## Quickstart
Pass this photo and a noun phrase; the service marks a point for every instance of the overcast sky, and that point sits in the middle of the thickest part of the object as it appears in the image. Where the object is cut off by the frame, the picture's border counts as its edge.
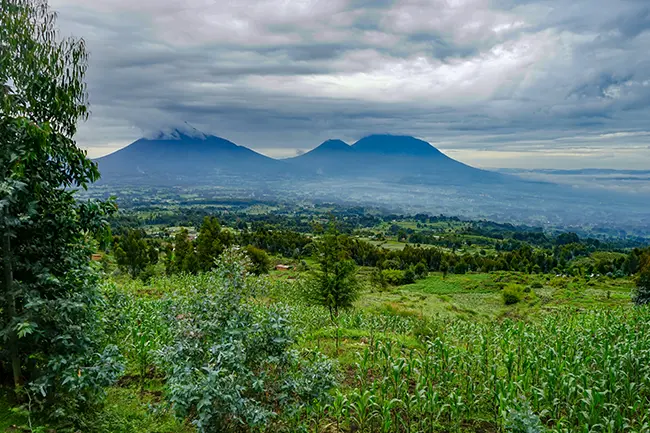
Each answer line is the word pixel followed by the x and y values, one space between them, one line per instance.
pixel 495 83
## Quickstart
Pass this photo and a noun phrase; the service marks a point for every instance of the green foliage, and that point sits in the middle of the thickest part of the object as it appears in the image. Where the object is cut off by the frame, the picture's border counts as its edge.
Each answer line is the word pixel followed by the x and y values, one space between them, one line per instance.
pixel 336 286
pixel 409 276
pixel 642 292
pixel 183 259
pixel 523 421
pixel 230 364
pixel 49 330
pixel 511 295
pixel 211 242
pixel 261 263
pixel 394 277
pixel 134 253
pixel 421 270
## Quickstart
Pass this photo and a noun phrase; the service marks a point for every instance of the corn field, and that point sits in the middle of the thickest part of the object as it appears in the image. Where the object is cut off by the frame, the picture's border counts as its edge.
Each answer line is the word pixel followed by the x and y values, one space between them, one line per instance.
pixel 579 372
pixel 571 371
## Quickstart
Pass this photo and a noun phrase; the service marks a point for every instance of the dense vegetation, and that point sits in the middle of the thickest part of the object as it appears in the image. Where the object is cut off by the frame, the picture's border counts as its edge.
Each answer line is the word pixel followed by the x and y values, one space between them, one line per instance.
pixel 176 320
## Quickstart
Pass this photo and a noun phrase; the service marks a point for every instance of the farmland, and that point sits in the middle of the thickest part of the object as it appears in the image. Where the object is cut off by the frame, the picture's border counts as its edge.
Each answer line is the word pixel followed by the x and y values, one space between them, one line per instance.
pixel 444 352
pixel 188 284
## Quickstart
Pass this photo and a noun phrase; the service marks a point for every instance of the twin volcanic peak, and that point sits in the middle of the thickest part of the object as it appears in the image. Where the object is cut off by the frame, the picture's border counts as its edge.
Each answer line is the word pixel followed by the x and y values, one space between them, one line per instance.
pixel 193 157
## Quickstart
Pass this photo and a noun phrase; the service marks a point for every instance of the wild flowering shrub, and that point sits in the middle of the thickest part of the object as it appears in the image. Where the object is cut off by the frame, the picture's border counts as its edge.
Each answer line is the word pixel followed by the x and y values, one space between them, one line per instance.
pixel 230 362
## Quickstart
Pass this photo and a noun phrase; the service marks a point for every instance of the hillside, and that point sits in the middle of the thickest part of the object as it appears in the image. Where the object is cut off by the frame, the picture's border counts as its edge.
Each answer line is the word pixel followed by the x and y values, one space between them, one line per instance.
pixel 178 157
pixel 394 158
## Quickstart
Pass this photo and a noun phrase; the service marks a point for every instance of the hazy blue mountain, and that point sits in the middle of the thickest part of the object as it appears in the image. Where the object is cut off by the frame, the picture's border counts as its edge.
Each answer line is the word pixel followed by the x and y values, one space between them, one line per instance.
pixel 397 171
pixel 192 157
pixel 396 145
pixel 397 158
pixel 181 157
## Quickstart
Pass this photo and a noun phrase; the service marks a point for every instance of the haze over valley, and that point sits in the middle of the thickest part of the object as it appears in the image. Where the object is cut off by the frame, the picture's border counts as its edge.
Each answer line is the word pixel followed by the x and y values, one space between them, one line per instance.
pixel 397 172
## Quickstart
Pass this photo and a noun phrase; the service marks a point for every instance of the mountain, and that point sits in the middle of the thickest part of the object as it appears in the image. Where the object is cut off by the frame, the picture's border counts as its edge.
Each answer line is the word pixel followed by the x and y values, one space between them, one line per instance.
pixel 395 158
pixel 181 157
pixel 191 157
pixel 396 145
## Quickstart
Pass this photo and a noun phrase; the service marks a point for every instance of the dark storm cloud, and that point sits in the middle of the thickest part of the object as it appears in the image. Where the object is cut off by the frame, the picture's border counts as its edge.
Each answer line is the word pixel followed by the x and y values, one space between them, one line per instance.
pixel 497 78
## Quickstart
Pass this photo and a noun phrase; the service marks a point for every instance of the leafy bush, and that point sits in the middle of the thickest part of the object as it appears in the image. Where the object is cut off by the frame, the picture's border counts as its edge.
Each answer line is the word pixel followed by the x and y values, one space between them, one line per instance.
pixel 536 285
pixel 421 270
pixel 523 421
pixel 230 364
pixel 394 277
pixel 511 295
pixel 260 261
pixel 409 276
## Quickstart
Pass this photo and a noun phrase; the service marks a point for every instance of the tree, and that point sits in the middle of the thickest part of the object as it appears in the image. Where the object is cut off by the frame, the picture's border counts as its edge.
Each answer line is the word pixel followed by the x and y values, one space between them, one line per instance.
pixel 260 262
pixel 49 290
pixel 184 258
pixel 336 286
pixel 211 242
pixel 642 292
pixel 133 253
pixel 444 268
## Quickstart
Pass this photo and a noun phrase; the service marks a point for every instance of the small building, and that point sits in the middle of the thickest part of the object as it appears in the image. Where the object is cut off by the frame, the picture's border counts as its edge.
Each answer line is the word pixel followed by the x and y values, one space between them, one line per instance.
pixel 96 257
pixel 282 267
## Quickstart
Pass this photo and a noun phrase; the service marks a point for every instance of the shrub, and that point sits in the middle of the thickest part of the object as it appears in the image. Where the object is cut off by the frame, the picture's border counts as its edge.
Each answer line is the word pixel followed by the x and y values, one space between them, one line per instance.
pixel 511 295
pixel 230 364
pixel 536 285
pixel 409 276
pixel 394 277
pixel 421 270
pixel 523 421
pixel 260 261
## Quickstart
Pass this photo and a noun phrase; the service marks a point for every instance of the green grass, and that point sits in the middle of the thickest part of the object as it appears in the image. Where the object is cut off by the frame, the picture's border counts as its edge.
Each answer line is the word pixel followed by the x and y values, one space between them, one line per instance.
pixel 7 417
pixel 479 296
pixel 436 284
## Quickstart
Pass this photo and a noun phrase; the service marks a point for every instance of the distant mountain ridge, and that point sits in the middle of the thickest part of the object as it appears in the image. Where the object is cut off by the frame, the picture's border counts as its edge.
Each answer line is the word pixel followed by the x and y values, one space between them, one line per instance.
pixel 186 157
pixel 401 172
pixel 398 158
pixel 177 156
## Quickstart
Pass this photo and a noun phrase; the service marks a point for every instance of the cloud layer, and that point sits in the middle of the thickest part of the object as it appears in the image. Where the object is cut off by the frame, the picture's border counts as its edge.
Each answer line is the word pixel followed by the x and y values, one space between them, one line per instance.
pixel 517 83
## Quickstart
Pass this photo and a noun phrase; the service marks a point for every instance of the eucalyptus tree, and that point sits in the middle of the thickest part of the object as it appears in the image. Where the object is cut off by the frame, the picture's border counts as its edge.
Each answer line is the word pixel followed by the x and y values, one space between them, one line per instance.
pixel 49 290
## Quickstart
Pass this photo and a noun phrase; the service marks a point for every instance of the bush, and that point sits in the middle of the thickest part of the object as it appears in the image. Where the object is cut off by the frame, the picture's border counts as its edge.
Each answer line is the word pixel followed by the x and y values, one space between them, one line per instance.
pixel 409 276
pixel 511 295
pixel 230 363
pixel 523 421
pixel 260 261
pixel 394 277
pixel 536 285
pixel 421 270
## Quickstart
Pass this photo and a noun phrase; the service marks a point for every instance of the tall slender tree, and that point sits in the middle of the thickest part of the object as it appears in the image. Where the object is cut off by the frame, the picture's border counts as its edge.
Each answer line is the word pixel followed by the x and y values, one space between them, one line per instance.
pixel 336 286
pixel 48 290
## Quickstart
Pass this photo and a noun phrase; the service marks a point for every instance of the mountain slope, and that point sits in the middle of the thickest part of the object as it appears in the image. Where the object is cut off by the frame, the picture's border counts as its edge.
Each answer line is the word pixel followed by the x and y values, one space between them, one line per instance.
pixel 394 158
pixel 179 157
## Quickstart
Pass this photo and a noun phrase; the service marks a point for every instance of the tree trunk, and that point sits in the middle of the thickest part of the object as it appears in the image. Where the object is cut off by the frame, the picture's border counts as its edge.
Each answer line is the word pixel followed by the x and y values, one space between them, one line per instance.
pixel 11 307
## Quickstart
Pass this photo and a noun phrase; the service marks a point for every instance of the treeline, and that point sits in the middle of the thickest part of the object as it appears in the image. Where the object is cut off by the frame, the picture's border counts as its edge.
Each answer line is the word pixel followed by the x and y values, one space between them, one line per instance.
pixel 137 253
pixel 185 253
